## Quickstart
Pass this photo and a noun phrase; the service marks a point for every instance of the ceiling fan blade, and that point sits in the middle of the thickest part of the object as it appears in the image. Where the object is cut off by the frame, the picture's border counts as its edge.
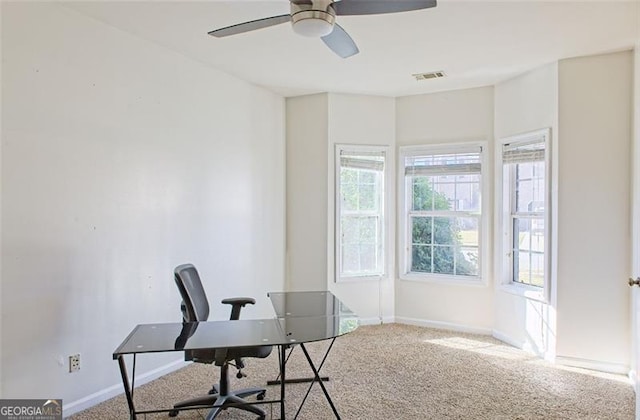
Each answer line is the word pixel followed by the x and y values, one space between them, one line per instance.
pixel 250 26
pixel 373 7
pixel 340 42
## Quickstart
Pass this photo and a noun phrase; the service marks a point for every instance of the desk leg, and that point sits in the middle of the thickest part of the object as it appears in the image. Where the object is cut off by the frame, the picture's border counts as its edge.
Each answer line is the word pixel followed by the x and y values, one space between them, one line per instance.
pixel 318 378
pixel 294 380
pixel 127 386
pixel 283 366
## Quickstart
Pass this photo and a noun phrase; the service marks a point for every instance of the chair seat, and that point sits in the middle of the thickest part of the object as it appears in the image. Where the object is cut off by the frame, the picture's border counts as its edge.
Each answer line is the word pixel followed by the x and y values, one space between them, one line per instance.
pixel 226 355
pixel 257 352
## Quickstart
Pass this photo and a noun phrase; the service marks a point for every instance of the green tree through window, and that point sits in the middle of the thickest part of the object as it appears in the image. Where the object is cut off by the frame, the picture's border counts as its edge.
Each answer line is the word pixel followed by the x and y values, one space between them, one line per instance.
pixel 436 241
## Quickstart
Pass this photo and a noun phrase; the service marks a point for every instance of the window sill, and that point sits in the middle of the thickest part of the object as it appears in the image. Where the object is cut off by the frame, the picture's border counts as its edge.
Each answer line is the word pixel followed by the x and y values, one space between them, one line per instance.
pixel 360 279
pixel 444 279
pixel 528 292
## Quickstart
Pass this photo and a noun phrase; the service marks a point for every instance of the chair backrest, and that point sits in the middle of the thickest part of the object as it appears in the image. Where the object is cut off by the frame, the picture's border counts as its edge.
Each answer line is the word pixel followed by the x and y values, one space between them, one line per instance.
pixel 194 299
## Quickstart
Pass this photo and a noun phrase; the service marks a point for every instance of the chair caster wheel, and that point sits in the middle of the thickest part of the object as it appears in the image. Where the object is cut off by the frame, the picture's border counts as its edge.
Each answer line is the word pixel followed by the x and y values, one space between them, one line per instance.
pixel 260 397
pixel 213 391
pixel 173 413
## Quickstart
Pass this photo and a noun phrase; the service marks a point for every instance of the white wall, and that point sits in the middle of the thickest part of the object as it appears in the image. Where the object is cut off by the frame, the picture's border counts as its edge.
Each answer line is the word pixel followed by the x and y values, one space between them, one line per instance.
pixel 594 230
pixel 635 226
pixel 1 251
pixel 120 160
pixel 315 124
pixel 593 299
pixel 367 120
pixel 526 103
pixel 454 116
pixel 307 128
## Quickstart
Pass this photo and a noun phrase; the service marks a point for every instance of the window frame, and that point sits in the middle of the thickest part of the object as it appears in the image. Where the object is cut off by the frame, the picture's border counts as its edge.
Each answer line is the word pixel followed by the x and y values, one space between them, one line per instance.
pixel 505 187
pixel 383 224
pixel 404 225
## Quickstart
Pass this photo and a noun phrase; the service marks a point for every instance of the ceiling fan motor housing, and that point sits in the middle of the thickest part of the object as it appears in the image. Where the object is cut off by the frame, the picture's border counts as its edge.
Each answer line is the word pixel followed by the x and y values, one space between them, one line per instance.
pixel 313 20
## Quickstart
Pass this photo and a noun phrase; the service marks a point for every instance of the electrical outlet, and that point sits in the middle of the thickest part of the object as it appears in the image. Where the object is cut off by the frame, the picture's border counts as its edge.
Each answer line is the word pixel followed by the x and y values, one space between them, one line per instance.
pixel 74 363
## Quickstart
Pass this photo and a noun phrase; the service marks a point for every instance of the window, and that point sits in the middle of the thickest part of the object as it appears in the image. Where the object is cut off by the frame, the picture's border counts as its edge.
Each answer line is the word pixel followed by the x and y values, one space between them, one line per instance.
pixel 360 227
pixel 525 204
pixel 441 210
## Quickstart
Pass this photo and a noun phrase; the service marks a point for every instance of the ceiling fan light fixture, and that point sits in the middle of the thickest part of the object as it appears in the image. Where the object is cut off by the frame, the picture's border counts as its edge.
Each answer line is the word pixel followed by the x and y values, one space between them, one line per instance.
pixel 313 23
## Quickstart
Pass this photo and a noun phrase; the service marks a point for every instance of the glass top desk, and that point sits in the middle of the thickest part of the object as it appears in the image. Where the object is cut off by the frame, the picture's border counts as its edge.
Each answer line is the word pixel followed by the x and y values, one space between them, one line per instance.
pixel 325 318
pixel 306 304
pixel 309 316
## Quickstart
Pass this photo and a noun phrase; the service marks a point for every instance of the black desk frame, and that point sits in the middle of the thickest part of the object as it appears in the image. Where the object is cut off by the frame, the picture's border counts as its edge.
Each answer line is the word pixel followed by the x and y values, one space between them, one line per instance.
pixel 129 389
pixel 283 344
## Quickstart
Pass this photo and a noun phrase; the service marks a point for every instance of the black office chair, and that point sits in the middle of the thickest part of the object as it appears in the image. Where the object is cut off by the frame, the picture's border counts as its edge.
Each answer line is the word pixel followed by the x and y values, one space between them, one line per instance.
pixel 195 307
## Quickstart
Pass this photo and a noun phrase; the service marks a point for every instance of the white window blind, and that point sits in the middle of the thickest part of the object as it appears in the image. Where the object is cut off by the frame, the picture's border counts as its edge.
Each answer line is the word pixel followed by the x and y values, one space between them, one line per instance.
pixel 368 160
pixel 444 163
pixel 522 152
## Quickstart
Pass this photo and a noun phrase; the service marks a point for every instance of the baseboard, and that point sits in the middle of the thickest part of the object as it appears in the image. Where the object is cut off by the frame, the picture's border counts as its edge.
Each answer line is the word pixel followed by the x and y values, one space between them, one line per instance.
pixel 522 345
pixel 114 390
pixel 632 375
pixel 615 368
pixel 527 346
pixel 442 325
pixel 376 320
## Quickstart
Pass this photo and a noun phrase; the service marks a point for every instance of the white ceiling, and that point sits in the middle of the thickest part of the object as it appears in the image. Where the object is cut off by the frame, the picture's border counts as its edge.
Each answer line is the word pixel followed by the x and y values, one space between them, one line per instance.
pixel 476 43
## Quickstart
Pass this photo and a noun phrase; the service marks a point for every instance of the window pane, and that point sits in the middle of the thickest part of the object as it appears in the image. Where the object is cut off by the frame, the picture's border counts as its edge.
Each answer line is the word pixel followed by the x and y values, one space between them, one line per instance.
pixel 421 230
pixel 525 170
pixel 350 230
pixel 524 195
pixel 529 184
pixel 360 189
pixel 368 199
pixel 421 258
pixel 445 231
pixel 422 193
pixel 521 234
pixel 522 272
pixel 443 259
pixel 349 189
pixel 537 234
pixel 360 244
pixel 467 262
pixel 350 258
pixel 468 231
pixel 528 251
pixel 367 258
pixel 468 192
pixel 537 269
pixel 368 230
pixel 348 175
pixel 444 192
pixel 368 177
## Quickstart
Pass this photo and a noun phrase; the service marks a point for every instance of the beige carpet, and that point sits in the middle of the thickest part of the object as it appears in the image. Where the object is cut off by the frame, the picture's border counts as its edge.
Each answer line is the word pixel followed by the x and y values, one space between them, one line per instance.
pixel 397 371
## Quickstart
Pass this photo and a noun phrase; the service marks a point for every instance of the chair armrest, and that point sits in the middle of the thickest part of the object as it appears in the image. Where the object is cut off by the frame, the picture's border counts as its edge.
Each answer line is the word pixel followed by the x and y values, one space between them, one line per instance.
pixel 237 304
pixel 239 301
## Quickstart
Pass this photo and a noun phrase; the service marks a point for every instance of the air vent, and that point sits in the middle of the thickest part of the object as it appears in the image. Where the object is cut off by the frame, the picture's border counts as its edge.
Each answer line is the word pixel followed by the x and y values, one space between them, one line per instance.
pixel 430 75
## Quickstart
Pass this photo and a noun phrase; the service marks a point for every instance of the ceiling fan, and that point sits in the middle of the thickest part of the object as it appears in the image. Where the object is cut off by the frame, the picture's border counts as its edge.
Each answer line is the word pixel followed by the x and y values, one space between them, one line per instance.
pixel 317 18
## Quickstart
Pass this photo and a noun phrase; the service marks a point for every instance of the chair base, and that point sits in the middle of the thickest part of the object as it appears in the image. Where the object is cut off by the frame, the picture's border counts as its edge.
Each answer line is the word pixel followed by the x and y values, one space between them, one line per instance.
pixel 219 402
